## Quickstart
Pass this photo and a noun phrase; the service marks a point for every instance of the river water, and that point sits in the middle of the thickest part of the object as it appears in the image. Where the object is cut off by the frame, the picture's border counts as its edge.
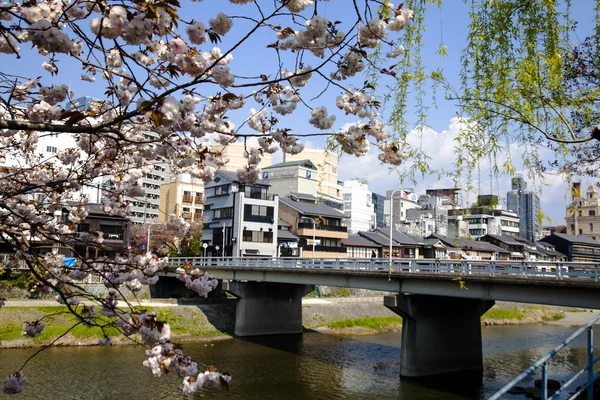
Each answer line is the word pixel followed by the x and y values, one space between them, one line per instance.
pixel 308 366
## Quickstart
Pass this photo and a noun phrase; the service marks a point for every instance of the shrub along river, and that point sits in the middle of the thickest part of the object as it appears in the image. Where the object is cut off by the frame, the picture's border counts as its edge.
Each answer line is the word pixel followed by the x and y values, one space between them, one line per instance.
pixel 308 366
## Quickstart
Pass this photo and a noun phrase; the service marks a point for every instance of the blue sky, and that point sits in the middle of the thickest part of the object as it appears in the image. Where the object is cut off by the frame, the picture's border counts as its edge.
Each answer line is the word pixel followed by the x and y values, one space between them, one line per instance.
pixel 449 26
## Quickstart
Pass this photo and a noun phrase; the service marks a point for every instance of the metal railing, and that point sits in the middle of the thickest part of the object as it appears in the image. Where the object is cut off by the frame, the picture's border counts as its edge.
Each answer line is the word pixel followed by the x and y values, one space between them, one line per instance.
pixel 525 269
pixel 542 363
pixel 322 227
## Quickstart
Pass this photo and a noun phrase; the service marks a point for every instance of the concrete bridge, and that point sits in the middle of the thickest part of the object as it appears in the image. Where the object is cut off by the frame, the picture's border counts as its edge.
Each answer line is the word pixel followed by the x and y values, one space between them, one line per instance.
pixel 441 301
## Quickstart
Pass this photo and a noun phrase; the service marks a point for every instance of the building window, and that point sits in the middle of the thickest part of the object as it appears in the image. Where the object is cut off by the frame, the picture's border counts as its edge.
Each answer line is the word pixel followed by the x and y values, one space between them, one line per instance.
pixel 113 232
pixel 51 149
pixel 221 190
pixel 187 197
pixel 591 227
pixel 581 232
pixel 223 213
pixel 255 213
pixel 592 213
pixel 256 192
pixel 573 228
pixel 257 236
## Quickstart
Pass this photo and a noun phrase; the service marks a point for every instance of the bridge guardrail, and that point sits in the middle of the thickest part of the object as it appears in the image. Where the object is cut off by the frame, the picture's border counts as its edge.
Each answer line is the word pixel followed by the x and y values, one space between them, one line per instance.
pixel 542 363
pixel 551 269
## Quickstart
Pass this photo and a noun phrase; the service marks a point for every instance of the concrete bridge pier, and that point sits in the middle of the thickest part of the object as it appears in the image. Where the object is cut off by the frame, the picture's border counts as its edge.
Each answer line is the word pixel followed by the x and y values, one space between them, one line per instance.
pixel 439 334
pixel 267 308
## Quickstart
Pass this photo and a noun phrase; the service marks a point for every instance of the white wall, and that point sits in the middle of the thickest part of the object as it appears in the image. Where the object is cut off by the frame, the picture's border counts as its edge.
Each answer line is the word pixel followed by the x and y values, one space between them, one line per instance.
pixel 358 206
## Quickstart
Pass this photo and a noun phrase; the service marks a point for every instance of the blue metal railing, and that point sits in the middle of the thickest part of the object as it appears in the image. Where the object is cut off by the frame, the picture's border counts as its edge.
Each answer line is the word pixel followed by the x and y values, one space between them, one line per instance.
pixel 550 269
pixel 542 363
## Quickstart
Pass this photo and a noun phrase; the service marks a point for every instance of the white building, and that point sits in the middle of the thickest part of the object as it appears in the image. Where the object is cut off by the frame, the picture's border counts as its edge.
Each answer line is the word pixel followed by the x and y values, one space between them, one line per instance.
pixel 403 200
pixel 358 206
pixel 484 221
pixel 239 220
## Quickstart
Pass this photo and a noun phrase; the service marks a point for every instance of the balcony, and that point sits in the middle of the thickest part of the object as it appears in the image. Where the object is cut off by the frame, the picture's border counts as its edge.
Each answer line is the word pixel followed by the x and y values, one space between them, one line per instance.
pixel 330 228
pixel 325 249
pixel 259 218
pixel 198 217
pixel 258 196
pixel 199 199
pixel 187 199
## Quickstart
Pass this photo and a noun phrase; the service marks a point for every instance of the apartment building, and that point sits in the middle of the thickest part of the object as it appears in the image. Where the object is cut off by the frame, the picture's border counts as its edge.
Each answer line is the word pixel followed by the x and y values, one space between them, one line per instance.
pixel 183 197
pixel 235 154
pixel 319 227
pixel 358 206
pixel 483 220
pixel 527 205
pixel 240 220
pixel 403 200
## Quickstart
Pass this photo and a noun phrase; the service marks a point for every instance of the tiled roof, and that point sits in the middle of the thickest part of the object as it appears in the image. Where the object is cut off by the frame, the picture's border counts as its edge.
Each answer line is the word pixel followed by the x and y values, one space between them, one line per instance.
pixel 318 209
pixel 286 236
pixel 355 239
pixel 577 239
pixel 304 163
pixel 401 238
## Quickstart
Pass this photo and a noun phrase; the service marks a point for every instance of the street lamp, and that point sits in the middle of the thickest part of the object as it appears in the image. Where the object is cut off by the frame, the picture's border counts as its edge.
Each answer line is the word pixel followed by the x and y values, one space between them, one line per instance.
pixel 223 253
pixel 392 223
pixel 314 234
pixel 148 237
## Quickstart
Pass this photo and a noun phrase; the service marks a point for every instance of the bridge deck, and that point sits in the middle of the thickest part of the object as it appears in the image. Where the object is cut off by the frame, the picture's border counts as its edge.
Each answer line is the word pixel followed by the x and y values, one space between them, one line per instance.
pixel 569 284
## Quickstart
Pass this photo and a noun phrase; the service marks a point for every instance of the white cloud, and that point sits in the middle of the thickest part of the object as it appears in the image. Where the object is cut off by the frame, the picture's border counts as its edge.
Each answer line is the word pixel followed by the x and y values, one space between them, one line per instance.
pixel 441 148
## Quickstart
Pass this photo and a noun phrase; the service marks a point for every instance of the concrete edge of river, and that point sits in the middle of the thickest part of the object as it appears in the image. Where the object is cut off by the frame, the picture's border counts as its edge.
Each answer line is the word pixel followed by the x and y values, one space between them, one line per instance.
pixel 210 322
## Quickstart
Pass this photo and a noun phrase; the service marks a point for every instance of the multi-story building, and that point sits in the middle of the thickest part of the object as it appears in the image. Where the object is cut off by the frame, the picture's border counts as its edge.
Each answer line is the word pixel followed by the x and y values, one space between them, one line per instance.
pixel 527 205
pixel 483 221
pixel 379 206
pixel 358 206
pixel 575 247
pixel 298 176
pixel 318 226
pixel 583 215
pixel 235 154
pixel 240 220
pixel 184 197
pixel 403 200
pixel 329 189
pixel 431 216
pixel 449 196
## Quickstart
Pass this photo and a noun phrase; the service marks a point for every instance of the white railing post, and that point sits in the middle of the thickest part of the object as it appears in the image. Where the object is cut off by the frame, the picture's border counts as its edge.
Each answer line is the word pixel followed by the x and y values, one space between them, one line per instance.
pixel 590 362
pixel 544 381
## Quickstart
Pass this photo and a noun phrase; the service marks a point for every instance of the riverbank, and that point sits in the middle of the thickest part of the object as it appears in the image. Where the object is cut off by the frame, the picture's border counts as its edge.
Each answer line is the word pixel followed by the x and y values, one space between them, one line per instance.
pixel 340 316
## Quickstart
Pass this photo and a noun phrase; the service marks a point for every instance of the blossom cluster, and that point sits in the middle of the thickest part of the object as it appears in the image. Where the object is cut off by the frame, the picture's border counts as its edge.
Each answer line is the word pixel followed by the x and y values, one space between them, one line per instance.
pixel 199 282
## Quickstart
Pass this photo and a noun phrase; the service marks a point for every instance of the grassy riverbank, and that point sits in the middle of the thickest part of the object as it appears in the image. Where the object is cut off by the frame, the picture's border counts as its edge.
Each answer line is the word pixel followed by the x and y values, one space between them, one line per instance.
pixel 186 322
pixel 217 321
pixel 495 316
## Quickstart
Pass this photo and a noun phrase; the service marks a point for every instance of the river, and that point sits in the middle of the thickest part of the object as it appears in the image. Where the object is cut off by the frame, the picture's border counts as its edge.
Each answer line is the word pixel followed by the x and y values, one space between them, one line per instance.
pixel 308 366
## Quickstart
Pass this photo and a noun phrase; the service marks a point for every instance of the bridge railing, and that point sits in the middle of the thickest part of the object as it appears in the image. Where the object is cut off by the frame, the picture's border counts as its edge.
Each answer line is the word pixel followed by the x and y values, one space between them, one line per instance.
pixel 542 363
pixel 550 269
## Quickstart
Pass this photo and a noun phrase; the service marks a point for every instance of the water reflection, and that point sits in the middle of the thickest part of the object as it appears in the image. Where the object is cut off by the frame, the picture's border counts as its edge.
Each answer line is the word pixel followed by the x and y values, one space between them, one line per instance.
pixel 308 366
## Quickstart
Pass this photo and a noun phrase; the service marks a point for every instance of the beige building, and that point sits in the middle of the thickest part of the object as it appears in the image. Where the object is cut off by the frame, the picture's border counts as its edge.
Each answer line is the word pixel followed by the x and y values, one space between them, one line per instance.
pixel 328 188
pixel 587 210
pixel 318 227
pixel 292 177
pixel 235 153
pixel 184 198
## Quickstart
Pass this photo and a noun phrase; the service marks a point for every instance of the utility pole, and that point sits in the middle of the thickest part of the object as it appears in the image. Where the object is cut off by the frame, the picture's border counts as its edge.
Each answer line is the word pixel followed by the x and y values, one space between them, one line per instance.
pixel 223 253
